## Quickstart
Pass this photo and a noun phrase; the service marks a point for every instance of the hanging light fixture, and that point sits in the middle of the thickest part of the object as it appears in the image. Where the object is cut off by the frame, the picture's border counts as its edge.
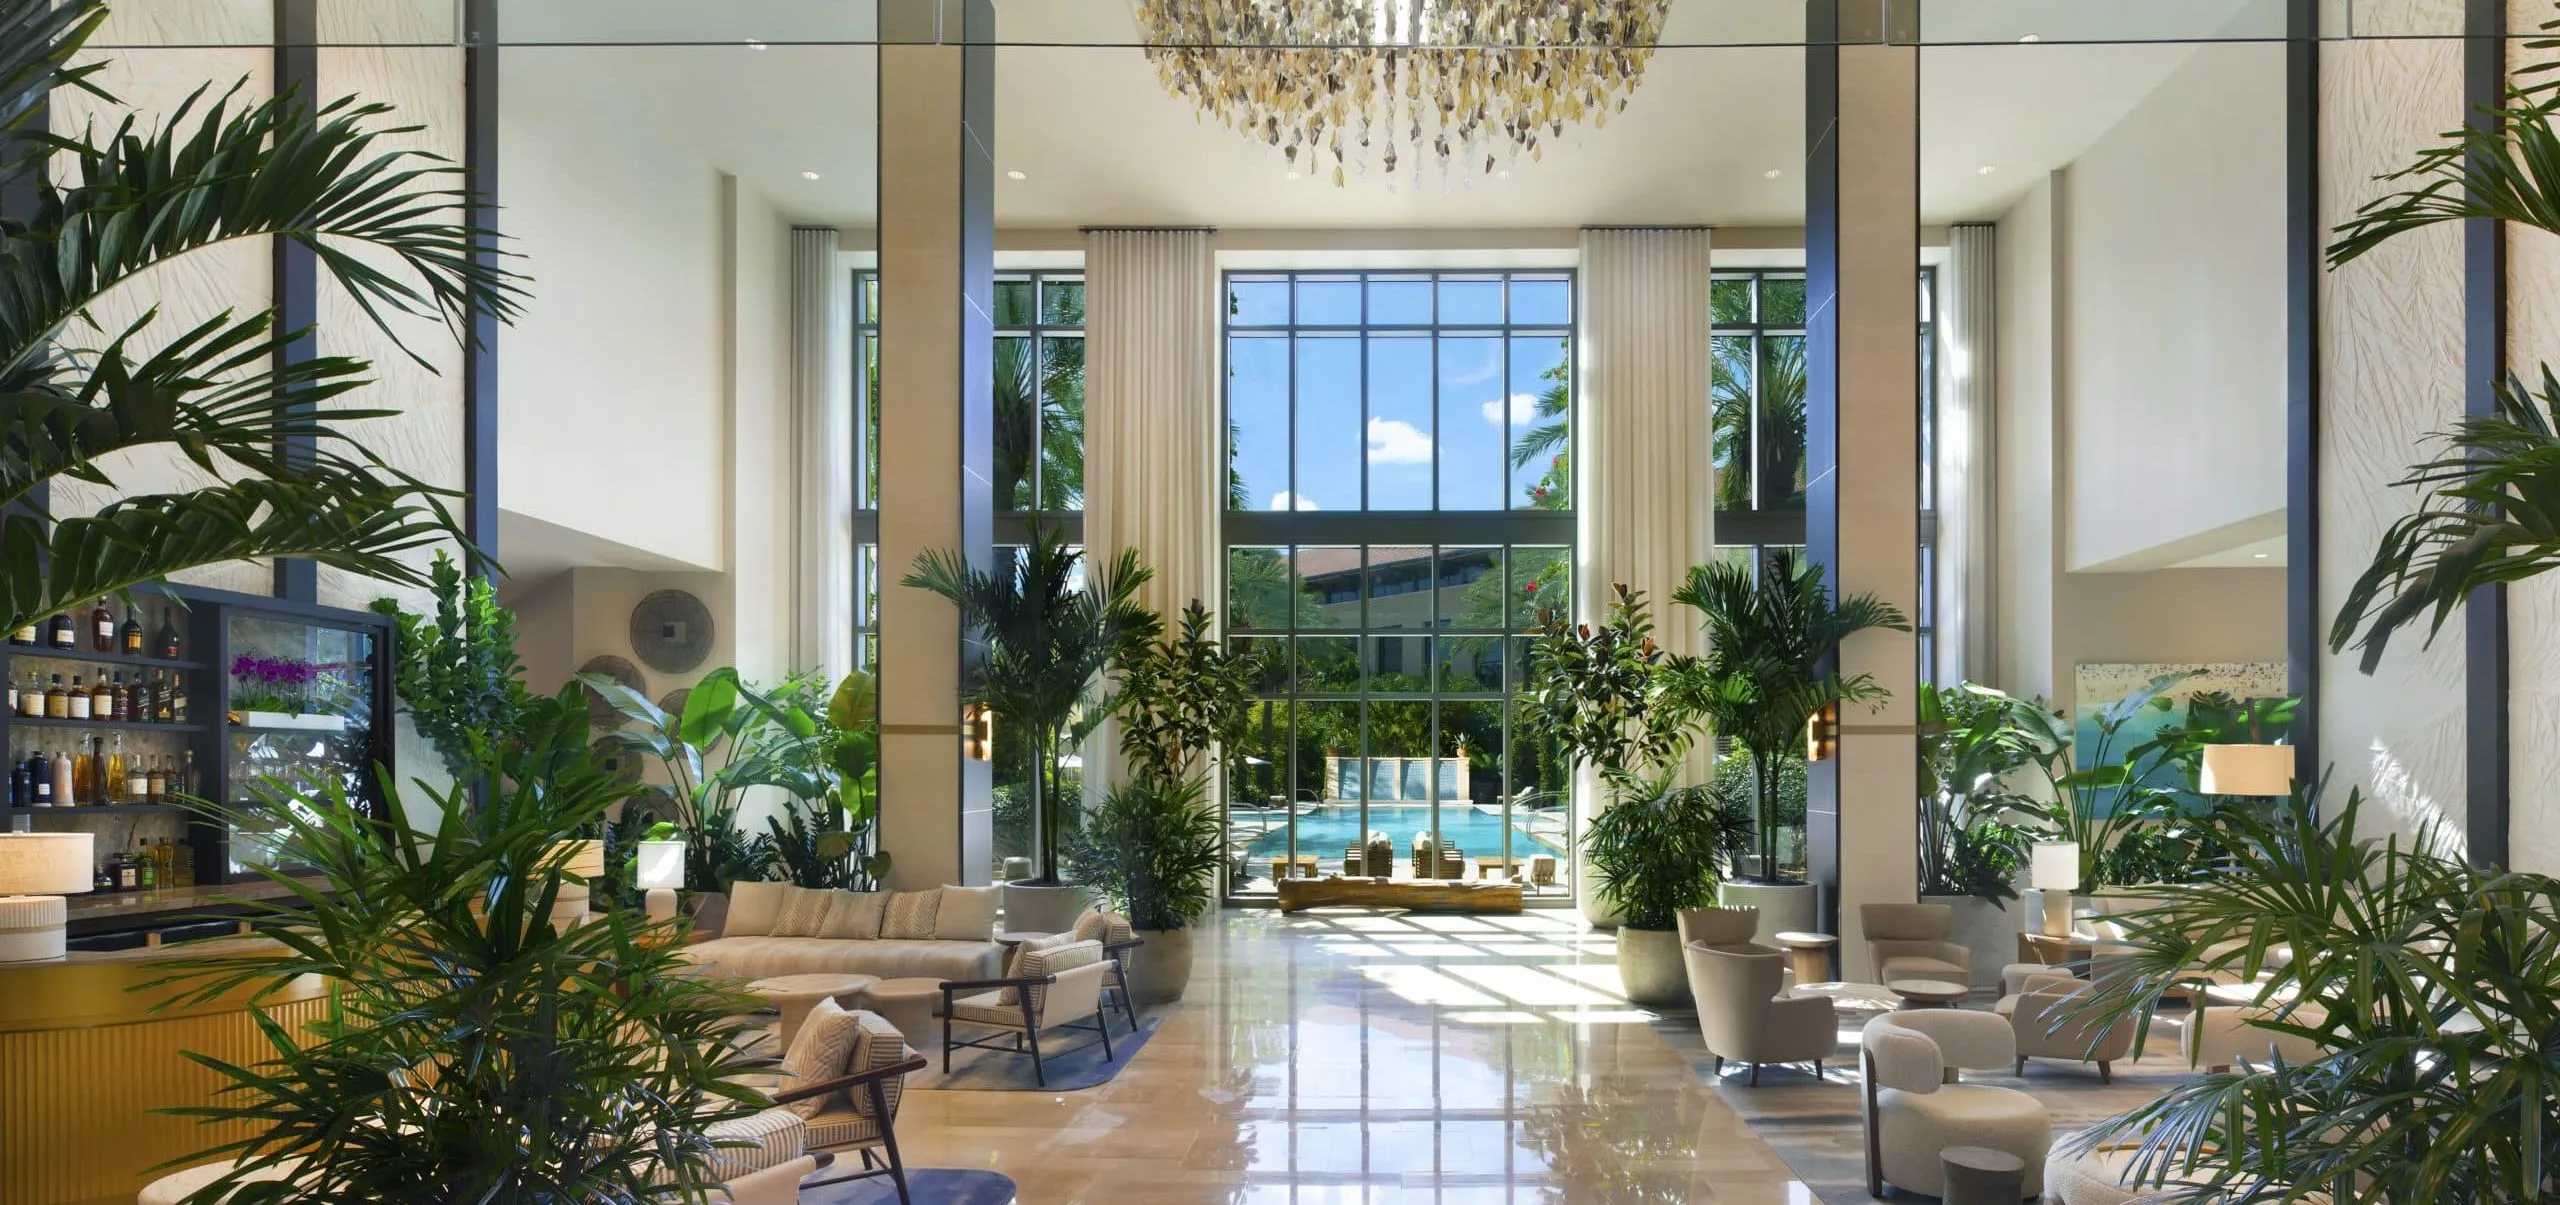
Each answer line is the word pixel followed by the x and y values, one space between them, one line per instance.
pixel 1467 85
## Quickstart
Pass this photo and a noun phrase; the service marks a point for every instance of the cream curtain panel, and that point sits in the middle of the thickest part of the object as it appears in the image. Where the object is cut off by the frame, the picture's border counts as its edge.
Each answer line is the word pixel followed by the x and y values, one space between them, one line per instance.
pixel 1966 586
pixel 1644 464
pixel 822 516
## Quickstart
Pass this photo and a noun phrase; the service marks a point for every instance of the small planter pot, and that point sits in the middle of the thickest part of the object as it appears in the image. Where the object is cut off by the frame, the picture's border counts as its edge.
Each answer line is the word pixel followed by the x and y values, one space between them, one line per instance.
pixel 1989 930
pixel 1784 907
pixel 1160 970
pixel 1651 968
pixel 1044 909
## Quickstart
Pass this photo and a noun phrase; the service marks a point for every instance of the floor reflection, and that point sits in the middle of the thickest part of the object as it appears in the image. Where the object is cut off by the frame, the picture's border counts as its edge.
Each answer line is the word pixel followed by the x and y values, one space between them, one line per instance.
pixel 1376 1058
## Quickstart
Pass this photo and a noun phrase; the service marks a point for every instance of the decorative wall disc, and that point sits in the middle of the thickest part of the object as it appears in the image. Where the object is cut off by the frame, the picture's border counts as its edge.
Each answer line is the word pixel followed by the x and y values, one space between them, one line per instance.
pixel 613 759
pixel 671 631
pixel 599 712
pixel 673 703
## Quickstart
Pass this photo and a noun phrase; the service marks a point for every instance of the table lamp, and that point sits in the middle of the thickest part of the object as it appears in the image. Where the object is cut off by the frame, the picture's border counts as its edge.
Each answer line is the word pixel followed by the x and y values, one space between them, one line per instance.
pixel 36 871
pixel 661 874
pixel 2247 770
pixel 2053 869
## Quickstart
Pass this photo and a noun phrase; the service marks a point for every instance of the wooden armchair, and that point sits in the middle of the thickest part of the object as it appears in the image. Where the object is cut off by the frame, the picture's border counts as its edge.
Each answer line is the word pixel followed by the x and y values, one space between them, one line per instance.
pixel 864 1125
pixel 1047 989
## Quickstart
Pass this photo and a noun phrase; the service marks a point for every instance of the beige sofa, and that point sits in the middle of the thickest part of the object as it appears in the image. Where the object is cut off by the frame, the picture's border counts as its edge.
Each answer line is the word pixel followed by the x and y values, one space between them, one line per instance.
pixel 768 929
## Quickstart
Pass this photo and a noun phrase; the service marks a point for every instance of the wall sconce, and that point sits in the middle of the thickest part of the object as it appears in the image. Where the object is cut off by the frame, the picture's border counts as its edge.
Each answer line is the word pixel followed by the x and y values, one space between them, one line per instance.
pixel 1822 733
pixel 978 732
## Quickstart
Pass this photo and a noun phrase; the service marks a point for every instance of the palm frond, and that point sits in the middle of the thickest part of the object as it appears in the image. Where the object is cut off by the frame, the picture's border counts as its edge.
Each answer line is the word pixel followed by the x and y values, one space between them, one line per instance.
pixel 38 39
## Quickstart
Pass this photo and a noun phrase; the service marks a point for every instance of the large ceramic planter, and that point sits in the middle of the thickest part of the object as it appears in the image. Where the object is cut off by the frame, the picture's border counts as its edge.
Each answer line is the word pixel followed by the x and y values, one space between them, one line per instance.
pixel 1784 907
pixel 1650 966
pixel 1043 909
pixel 1160 969
pixel 1989 930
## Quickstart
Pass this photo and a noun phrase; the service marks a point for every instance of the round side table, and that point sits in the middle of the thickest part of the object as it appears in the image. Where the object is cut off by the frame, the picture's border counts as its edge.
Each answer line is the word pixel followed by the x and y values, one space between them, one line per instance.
pixel 794 995
pixel 1928 993
pixel 1809 954
pixel 908 1004
pixel 1978 1175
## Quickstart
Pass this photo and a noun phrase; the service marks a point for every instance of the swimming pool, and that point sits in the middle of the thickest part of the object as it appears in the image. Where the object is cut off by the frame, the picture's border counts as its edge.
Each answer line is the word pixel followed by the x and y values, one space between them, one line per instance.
pixel 1328 830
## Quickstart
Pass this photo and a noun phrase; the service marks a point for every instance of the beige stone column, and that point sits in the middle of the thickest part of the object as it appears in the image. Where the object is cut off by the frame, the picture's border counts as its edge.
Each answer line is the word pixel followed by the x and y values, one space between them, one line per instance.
pixel 1863 462
pixel 937 346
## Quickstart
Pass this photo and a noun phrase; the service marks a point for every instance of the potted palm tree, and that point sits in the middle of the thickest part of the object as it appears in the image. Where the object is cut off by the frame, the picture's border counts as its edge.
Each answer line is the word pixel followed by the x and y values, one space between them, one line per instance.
pixel 1773 630
pixel 1048 640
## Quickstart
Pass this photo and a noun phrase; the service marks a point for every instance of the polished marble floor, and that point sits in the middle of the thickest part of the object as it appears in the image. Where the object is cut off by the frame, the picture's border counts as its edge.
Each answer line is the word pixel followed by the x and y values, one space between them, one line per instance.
pixel 1366 1059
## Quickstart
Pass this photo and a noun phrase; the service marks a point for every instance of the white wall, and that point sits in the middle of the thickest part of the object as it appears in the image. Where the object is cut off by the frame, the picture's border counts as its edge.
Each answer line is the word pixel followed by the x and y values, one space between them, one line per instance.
pixel 612 385
pixel 2172 233
pixel 2023 439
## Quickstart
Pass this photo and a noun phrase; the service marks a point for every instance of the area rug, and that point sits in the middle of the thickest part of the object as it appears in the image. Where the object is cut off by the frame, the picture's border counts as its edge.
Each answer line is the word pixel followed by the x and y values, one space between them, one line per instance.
pixel 926 1186
pixel 1074 1060
pixel 1816 1129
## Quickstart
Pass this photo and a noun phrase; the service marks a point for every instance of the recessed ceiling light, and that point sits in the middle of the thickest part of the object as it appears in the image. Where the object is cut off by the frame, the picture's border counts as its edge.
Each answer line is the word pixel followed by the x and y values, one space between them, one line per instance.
pixel 1015 176
pixel 755 44
pixel 1771 174
pixel 1504 174
pixel 2029 38
pixel 1292 173
pixel 1986 169
pixel 808 175
pixel 2258 556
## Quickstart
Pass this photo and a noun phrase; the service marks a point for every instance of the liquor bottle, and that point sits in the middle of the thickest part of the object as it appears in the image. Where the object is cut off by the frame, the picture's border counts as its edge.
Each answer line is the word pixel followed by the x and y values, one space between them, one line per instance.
pixel 25 636
pixel 158 790
pixel 102 628
pixel 186 784
pixel 137 781
pixel 85 779
pixel 19 788
pixel 31 697
pixel 39 780
pixel 161 711
pixel 183 862
pixel 57 701
pixel 61 633
pixel 115 696
pixel 77 701
pixel 104 881
pixel 165 859
pixel 13 696
pixel 145 868
pixel 168 640
pixel 62 779
pixel 178 698
pixel 113 789
pixel 131 634
pixel 128 875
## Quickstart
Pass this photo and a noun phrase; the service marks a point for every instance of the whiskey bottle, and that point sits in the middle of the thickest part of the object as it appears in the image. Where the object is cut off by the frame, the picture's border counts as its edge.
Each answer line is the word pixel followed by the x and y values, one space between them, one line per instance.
pixel 25 636
pixel 158 789
pixel 137 781
pixel 128 875
pixel 61 633
pixel 119 700
pixel 178 698
pixel 57 701
pixel 186 784
pixel 78 700
pixel 31 697
pixel 39 780
pixel 114 786
pixel 131 634
pixel 168 639
pixel 161 711
pixel 102 698
pixel 102 628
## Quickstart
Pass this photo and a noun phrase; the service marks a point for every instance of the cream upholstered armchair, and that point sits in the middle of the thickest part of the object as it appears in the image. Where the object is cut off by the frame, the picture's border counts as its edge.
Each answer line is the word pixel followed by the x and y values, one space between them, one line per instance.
pixel 1744 1012
pixel 1909 941
pixel 1915 1108
pixel 2041 1014
pixel 1719 926
pixel 1049 988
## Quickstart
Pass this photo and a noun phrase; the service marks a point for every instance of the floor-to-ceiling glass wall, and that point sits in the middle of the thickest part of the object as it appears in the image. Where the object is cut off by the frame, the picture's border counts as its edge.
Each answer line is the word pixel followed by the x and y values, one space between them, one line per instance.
pixel 1400 516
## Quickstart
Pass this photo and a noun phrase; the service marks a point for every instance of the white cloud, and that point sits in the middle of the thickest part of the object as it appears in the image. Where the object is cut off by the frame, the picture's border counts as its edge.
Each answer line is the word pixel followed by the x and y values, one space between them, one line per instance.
pixel 1524 410
pixel 1395 441
pixel 1284 500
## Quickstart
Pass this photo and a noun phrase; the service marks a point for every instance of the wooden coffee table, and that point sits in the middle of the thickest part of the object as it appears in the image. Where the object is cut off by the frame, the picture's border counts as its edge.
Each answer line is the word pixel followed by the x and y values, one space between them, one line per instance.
pixel 1809 954
pixel 1928 993
pixel 794 995
pixel 909 1004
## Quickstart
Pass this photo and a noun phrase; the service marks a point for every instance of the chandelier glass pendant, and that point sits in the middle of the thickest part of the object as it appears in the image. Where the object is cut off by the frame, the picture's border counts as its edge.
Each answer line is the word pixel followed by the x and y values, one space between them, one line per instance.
pixel 1403 84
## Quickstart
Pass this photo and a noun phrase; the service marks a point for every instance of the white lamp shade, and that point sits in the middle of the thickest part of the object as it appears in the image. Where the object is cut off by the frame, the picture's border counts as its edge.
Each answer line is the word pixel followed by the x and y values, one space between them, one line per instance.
pixel 47 863
pixel 2259 770
pixel 2054 866
pixel 661 865
pixel 584 859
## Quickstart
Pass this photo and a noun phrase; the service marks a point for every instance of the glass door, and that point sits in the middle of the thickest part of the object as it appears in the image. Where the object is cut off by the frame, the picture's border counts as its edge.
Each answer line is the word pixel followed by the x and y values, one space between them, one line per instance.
pixel 300 698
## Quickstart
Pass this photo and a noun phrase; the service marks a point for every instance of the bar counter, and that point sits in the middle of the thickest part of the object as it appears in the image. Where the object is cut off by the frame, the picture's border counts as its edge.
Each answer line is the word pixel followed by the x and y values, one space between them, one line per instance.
pixel 107 911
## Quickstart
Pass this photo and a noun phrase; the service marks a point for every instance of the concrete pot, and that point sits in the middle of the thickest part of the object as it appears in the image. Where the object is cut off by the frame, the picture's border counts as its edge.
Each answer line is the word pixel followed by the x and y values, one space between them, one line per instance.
pixel 1989 930
pixel 1784 907
pixel 1651 968
pixel 1044 909
pixel 1160 969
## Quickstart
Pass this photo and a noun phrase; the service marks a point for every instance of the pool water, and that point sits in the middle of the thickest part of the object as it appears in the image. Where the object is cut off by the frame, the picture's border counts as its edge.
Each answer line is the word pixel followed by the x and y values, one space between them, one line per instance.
pixel 1327 831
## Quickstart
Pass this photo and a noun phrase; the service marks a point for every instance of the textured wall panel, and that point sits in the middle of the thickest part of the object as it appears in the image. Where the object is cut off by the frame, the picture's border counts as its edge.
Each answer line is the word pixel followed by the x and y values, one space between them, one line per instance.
pixel 140 23
pixel 2533 607
pixel 427 438
pixel 2391 364
pixel 386 23
pixel 192 289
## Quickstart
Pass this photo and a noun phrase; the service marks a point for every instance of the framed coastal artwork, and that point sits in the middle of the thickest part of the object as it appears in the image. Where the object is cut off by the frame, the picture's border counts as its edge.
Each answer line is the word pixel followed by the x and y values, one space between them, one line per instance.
pixel 2244 700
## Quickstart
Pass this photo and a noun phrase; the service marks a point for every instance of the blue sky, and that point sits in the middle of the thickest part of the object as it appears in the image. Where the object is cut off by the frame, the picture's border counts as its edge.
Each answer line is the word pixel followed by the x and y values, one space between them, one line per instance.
pixel 1481 375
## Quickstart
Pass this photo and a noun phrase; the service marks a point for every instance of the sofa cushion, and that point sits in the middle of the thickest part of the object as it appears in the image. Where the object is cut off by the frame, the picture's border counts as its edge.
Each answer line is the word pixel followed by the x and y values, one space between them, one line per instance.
pixel 803 911
pixel 1099 925
pixel 854 914
pixel 965 914
pixel 1028 944
pixel 752 907
pixel 911 914
pixel 761 957
pixel 819 1052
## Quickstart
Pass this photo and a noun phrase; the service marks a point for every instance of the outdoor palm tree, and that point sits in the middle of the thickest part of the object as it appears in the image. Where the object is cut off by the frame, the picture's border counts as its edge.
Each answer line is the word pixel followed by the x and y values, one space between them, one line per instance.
pixel 1772 631
pixel 2490 506
pixel 285 478
pixel 1048 640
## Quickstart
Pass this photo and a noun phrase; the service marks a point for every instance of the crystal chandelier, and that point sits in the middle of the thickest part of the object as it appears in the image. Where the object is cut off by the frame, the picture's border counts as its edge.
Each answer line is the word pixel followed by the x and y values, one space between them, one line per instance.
pixel 1466 84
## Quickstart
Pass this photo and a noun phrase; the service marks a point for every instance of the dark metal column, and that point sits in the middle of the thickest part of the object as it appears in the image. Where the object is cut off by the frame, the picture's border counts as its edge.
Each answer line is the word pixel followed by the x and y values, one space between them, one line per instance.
pixel 2484 339
pixel 480 355
pixel 296 268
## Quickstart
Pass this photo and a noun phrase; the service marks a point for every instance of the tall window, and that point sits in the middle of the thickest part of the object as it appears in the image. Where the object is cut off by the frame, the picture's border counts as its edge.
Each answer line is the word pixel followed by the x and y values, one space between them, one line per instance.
pixel 1399 469
pixel 1039 401
pixel 866 472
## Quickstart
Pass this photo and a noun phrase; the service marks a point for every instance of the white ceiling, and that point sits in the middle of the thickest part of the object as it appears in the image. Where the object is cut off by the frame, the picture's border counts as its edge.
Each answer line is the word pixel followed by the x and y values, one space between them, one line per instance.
pixel 533 551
